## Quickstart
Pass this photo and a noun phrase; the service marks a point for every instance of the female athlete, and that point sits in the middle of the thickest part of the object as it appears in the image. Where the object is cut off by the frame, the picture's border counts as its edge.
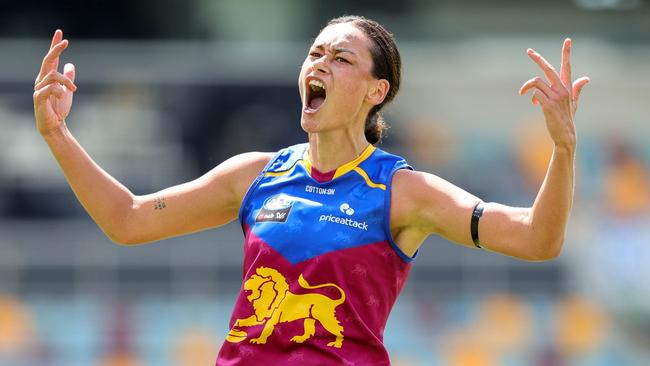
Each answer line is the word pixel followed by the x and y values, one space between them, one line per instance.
pixel 330 225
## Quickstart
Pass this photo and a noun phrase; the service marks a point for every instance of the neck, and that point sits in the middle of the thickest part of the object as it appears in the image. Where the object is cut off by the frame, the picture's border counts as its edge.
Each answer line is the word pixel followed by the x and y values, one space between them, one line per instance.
pixel 330 150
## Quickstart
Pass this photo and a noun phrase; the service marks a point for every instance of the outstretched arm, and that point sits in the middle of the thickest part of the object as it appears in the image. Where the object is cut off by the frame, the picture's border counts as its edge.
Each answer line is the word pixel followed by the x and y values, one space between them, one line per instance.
pixel 429 205
pixel 208 201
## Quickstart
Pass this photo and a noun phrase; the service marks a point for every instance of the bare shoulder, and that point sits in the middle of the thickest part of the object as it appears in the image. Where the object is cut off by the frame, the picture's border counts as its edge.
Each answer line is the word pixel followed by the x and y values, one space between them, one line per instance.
pixel 422 187
pixel 406 227
pixel 406 186
pixel 423 200
pixel 409 186
pixel 252 162
pixel 240 170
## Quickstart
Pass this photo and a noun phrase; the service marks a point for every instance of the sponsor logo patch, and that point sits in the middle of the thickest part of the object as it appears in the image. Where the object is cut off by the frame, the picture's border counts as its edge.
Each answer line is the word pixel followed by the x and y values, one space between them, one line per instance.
pixel 344 221
pixel 346 209
pixel 275 209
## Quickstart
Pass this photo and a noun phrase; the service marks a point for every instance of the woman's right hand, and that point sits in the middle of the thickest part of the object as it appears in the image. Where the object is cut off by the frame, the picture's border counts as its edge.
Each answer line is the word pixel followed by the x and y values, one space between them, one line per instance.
pixel 53 90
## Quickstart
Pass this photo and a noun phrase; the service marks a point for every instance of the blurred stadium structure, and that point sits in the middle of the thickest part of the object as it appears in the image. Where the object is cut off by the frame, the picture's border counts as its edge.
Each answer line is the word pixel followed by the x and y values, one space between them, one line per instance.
pixel 166 91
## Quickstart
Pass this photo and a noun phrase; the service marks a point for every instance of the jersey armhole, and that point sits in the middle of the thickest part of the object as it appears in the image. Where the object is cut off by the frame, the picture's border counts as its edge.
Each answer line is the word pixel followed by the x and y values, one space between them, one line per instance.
pixel 240 215
pixel 387 198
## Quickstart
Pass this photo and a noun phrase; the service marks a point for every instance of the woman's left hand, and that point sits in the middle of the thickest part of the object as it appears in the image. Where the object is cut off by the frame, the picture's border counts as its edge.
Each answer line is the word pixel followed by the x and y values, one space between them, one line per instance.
pixel 557 95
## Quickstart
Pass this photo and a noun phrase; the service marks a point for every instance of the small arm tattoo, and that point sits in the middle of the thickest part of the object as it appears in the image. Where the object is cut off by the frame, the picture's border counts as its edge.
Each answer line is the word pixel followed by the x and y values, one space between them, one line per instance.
pixel 159 203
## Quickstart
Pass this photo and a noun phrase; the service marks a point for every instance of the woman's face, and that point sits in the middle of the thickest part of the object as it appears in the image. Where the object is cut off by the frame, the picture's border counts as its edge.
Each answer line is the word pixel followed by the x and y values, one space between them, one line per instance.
pixel 336 84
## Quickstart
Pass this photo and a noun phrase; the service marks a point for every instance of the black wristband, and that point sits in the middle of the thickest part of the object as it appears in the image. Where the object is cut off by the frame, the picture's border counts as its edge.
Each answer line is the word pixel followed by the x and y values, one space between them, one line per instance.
pixel 473 227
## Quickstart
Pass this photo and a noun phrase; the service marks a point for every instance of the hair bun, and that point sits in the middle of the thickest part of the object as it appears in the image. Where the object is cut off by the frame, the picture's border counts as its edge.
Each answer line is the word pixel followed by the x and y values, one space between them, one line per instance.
pixel 376 127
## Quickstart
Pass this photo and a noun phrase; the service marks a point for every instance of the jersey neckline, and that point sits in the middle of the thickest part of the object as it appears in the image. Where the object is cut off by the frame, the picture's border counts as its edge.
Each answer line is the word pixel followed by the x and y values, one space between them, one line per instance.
pixel 321 177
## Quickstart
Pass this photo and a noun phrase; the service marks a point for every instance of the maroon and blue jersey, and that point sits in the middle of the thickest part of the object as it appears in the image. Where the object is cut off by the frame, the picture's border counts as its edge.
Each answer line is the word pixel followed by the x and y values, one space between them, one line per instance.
pixel 321 271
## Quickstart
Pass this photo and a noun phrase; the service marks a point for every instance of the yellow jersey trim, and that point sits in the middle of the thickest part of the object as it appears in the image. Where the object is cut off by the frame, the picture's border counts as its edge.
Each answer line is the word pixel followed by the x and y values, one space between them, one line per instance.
pixel 368 181
pixel 345 168
pixel 354 163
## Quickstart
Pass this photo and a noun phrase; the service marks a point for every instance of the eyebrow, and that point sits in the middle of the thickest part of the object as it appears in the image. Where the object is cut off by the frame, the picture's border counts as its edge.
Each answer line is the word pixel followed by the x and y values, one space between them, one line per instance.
pixel 336 50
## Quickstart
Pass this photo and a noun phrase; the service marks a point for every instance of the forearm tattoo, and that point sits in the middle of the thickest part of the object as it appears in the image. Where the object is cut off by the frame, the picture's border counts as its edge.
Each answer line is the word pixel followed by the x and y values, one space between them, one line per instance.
pixel 159 203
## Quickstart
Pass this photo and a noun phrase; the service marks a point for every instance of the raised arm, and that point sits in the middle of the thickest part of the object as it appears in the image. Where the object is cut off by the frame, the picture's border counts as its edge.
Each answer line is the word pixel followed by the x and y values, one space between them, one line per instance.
pixel 208 201
pixel 424 204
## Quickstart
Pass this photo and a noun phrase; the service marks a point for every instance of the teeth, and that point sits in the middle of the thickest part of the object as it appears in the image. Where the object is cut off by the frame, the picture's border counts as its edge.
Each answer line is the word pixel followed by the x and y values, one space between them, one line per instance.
pixel 316 84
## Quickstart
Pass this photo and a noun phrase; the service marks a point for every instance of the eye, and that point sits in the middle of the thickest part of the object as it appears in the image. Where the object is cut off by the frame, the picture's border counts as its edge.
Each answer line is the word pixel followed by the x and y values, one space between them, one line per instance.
pixel 315 54
pixel 341 59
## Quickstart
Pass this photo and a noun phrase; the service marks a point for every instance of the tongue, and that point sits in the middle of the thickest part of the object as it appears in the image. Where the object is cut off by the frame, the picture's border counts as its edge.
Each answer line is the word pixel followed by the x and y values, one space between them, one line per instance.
pixel 315 103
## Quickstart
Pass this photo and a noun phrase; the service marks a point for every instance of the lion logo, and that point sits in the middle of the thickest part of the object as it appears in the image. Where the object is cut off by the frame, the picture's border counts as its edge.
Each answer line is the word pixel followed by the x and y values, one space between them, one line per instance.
pixel 273 303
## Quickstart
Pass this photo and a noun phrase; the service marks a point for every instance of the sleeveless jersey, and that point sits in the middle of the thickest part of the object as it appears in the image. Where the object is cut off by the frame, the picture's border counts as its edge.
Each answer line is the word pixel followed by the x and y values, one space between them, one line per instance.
pixel 321 271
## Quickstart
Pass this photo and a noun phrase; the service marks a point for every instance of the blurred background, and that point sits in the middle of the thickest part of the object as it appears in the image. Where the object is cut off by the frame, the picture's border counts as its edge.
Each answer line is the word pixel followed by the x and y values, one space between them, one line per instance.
pixel 168 89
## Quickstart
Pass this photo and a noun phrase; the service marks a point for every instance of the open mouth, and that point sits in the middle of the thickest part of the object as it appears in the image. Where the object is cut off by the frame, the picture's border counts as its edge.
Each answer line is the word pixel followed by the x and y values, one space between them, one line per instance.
pixel 316 95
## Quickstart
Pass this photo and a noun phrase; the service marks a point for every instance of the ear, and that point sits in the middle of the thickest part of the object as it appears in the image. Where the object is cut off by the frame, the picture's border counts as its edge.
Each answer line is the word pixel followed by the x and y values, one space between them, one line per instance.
pixel 377 91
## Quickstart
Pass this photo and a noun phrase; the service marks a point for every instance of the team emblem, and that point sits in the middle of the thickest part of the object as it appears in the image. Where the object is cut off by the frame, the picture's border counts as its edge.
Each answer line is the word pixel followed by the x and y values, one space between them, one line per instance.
pixel 273 303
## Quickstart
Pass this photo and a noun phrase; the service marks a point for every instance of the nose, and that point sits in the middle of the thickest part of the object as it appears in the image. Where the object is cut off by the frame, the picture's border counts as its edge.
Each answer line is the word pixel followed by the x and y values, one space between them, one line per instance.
pixel 320 64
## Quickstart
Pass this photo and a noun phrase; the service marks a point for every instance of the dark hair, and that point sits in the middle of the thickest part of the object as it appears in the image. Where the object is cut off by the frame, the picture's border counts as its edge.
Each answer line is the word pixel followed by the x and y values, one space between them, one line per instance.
pixel 387 64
